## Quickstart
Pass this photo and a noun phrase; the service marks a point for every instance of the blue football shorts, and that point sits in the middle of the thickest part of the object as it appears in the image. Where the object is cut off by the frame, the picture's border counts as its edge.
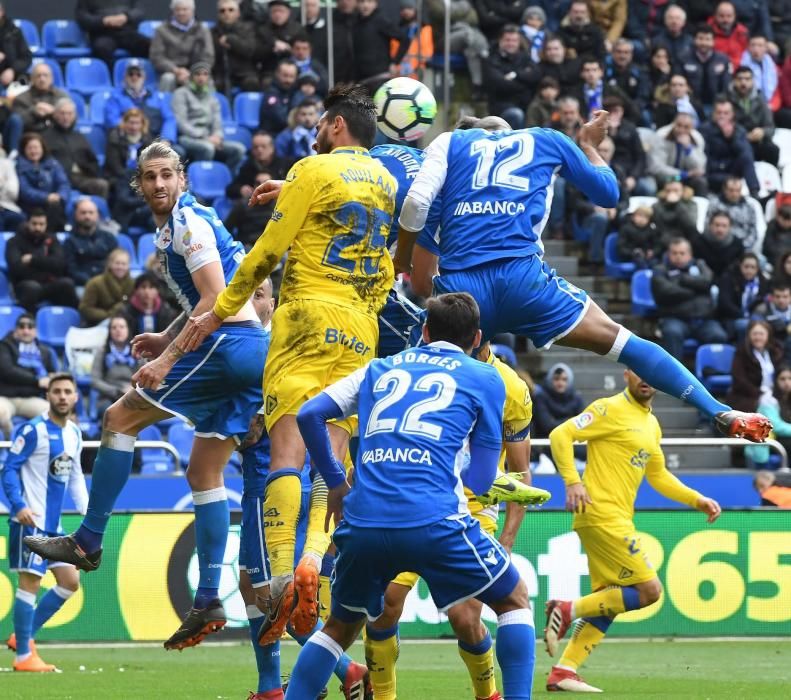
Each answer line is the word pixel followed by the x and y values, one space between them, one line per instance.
pixel 217 388
pixel 520 295
pixel 455 557
pixel 400 325
pixel 253 557
pixel 20 558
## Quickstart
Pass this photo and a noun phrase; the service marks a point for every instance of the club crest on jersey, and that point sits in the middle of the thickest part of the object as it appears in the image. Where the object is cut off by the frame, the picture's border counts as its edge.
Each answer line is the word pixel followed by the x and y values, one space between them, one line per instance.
pixel 583 420
pixel 61 467
pixel 164 238
pixel 18 445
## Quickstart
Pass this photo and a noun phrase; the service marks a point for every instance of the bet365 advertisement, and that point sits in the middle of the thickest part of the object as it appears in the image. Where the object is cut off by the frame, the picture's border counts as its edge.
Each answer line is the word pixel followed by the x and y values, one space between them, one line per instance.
pixel 732 578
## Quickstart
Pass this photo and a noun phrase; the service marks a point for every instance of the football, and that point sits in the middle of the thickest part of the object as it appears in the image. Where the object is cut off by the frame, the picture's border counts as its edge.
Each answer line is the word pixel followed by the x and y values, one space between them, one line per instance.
pixel 405 109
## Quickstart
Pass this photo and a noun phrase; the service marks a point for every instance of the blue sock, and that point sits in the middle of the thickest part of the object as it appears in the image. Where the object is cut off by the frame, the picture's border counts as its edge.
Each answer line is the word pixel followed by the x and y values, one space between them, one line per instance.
pixel 343 662
pixel 327 564
pixel 665 373
pixel 111 471
pixel 267 659
pixel 24 610
pixel 631 597
pixel 516 653
pixel 313 669
pixel 212 520
pixel 52 601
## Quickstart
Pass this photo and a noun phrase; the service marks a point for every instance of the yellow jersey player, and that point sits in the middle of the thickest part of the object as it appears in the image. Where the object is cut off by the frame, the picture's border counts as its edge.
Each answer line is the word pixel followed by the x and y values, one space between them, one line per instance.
pixel 475 642
pixel 333 214
pixel 623 446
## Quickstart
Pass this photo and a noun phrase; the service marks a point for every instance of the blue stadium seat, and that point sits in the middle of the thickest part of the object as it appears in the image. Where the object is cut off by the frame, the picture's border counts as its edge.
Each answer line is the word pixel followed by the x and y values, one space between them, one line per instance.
pixel 79 103
pixel 87 75
pixel 643 303
pixel 181 435
pixel 5 290
pixel 3 240
pixel 148 27
pixel 97 138
pixel 247 109
pixel 98 100
pixel 234 132
pixel 30 32
pixel 580 233
pixel 128 245
pixel 613 267
pixel 57 71
pixel 100 202
pixel 119 67
pixel 225 108
pixel 155 460
pixel 8 316
pixel 713 367
pixel 63 38
pixel 53 322
pixel 146 246
pixel 222 205
pixel 208 179
pixel 458 62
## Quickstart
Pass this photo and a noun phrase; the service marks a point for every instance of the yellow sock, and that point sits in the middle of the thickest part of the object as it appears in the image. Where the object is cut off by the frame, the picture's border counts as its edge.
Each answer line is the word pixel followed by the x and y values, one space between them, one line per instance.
pixel 324 598
pixel 587 635
pixel 607 602
pixel 316 540
pixel 282 500
pixel 479 660
pixel 381 654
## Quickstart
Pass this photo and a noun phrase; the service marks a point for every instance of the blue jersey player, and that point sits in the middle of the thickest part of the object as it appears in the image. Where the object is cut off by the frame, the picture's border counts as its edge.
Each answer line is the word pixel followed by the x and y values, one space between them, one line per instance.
pixel 43 462
pixel 495 186
pixel 407 510
pixel 217 388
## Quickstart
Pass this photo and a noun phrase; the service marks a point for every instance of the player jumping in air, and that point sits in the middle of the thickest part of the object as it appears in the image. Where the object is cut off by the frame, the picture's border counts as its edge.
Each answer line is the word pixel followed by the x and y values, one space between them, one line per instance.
pixel 216 387
pixel 407 511
pixel 43 461
pixel 623 446
pixel 496 190
pixel 333 215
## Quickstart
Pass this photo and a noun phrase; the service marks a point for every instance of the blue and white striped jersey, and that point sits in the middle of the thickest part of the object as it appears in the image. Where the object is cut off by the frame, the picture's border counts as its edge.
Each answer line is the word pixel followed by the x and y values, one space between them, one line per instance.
pixel 193 237
pixel 43 460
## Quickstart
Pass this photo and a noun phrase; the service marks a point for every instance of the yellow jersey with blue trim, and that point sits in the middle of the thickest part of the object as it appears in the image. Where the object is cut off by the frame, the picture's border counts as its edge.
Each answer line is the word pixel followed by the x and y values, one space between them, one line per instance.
pixel 623 438
pixel 517 414
pixel 333 215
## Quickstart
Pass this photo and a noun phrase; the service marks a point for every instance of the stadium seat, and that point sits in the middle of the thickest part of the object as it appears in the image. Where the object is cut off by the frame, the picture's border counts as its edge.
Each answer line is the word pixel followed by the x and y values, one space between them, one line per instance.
pixel 208 179
pixel 79 104
pixel 96 107
pixel 100 202
pixel 247 109
pixel 148 27
pixel 53 323
pixel 3 240
pixel 146 246
pixel 578 231
pixel 225 108
pixel 760 223
pixel 222 205
pixel 613 267
pixel 79 348
pixel 234 132
pixel 8 316
pixel 97 138
pixel 181 435
pixel 646 136
pixel 154 460
pixel 640 201
pixel 87 75
pixel 768 179
pixel 643 303
pixel 703 210
pixel 771 210
pixel 57 71
pixel 5 290
pixel 458 62
pixel 119 67
pixel 782 139
pixel 63 38
pixel 713 367
pixel 30 32
pixel 129 246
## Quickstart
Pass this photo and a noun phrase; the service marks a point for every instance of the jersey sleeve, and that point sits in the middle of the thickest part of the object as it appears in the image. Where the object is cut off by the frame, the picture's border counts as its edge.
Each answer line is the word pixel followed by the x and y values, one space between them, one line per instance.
pixel 592 423
pixel 22 447
pixel 427 184
pixel 196 243
pixel 488 429
pixel 597 182
pixel 290 213
pixel 346 392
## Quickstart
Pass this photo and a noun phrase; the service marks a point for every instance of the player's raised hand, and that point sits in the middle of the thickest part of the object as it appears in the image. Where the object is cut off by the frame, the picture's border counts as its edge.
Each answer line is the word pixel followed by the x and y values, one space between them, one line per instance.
pixel 198 328
pixel 335 504
pixel 265 192
pixel 147 346
pixel 710 507
pixel 577 498
pixel 25 516
pixel 592 133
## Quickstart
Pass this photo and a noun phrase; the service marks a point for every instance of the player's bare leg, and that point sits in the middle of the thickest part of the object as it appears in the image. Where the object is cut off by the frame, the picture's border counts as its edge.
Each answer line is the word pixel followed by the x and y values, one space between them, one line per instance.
pixel 598 333
pixel 208 458
pixel 475 647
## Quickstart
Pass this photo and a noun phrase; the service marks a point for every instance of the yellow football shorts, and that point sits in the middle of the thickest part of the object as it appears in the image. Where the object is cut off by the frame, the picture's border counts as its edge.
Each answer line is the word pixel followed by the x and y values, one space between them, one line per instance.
pixel 410 579
pixel 313 344
pixel 615 556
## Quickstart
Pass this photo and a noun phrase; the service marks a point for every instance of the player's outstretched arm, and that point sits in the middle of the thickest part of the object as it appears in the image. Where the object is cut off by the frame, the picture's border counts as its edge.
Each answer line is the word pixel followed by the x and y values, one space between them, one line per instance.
pixel 657 474
pixel 265 193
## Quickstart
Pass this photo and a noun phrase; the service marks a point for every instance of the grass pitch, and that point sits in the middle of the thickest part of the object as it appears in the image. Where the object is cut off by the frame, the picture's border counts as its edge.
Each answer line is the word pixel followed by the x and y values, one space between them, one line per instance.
pixel 626 669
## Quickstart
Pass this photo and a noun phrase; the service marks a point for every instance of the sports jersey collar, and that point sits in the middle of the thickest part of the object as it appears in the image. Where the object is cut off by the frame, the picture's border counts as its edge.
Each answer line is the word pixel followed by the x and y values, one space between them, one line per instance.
pixel 632 400
pixel 353 150
pixel 444 345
